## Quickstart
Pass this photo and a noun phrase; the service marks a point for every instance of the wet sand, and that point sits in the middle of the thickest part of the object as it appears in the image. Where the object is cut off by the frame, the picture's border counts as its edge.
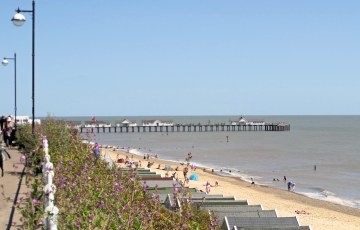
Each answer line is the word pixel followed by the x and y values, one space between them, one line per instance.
pixel 320 215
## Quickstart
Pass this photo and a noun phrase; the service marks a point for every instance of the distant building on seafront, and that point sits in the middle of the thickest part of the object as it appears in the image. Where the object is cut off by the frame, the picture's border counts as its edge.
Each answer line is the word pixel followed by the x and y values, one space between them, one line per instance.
pixel 243 121
pixel 157 123
pixel 126 123
pixel 22 120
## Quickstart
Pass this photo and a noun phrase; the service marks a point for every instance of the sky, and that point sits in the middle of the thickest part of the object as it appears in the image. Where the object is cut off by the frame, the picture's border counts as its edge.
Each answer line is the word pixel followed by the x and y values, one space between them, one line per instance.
pixel 203 57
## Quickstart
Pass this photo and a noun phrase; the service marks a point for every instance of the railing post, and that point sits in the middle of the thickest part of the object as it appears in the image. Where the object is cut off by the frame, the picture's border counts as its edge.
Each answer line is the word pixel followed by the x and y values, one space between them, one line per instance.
pixel 51 211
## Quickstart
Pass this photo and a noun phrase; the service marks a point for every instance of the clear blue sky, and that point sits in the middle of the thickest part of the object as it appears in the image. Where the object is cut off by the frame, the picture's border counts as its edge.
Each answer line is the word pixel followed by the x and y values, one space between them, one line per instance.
pixel 203 57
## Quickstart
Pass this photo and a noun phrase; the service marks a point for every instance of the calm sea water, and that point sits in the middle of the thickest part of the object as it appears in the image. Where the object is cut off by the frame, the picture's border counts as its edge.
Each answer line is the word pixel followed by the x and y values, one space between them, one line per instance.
pixel 329 142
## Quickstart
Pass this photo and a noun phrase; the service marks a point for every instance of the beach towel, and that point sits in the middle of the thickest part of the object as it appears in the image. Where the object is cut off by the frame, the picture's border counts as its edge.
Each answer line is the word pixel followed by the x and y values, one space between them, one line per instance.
pixel 194 177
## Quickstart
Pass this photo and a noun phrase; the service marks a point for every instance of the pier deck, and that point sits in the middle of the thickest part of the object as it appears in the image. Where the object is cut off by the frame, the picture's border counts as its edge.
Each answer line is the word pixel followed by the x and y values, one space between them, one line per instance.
pixel 186 128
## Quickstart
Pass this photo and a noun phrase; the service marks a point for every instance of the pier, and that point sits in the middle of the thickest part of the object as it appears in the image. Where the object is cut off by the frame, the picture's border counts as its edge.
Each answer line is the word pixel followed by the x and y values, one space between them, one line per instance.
pixel 185 128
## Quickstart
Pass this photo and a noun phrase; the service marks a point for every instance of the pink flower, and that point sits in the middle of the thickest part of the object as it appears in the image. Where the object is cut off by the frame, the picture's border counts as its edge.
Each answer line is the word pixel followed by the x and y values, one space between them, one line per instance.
pixel 36 202
pixel 22 158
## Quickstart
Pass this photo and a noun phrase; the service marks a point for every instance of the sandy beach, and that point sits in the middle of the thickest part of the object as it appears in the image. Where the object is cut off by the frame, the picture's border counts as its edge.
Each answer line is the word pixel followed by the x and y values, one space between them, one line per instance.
pixel 320 215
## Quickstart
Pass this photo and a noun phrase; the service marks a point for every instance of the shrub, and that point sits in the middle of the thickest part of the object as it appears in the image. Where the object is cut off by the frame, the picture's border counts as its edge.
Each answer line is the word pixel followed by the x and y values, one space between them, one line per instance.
pixel 90 195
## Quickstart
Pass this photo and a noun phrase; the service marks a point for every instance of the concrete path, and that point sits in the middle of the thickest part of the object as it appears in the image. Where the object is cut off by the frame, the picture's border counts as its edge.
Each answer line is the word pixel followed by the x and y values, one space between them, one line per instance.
pixel 12 186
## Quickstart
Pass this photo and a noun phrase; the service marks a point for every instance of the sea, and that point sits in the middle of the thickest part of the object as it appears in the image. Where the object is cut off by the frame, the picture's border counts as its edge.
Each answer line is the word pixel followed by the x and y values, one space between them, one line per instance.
pixel 320 154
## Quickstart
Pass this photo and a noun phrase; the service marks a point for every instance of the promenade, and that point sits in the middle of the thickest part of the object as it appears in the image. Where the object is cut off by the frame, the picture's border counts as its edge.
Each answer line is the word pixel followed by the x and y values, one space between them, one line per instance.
pixel 12 187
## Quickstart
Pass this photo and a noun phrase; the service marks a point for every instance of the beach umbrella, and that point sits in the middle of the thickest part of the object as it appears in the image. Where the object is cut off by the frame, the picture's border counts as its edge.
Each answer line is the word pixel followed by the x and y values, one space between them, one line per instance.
pixel 194 177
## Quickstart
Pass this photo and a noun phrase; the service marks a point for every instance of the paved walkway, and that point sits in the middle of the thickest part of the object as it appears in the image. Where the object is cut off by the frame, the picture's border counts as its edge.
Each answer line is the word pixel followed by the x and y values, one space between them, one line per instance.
pixel 12 186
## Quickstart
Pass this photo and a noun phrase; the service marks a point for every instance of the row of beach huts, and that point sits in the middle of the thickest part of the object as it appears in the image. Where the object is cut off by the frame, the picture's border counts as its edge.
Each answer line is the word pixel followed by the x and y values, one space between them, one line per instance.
pixel 230 212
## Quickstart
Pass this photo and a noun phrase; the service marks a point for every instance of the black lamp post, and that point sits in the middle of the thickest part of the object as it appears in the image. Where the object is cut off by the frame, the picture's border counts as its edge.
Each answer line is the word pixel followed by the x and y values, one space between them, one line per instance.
pixel 19 20
pixel 5 62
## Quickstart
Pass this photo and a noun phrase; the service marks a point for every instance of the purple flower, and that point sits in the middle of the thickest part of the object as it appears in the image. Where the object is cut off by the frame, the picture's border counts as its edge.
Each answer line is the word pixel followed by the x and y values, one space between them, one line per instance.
pixel 117 187
pixel 22 158
pixel 40 223
pixel 74 184
pixel 36 202
pixel 132 179
pixel 63 185
pixel 71 163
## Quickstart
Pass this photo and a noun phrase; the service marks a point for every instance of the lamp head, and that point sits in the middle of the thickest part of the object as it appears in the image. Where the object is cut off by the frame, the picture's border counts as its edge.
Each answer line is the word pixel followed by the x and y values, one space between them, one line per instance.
pixel 5 62
pixel 18 19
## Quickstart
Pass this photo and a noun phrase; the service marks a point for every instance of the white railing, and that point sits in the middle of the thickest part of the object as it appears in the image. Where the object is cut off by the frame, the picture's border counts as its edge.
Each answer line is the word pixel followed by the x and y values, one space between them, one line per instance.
pixel 51 211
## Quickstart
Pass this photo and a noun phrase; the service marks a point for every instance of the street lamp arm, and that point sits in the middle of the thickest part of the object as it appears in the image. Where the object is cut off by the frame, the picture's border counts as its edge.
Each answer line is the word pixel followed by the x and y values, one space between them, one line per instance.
pixel 23 11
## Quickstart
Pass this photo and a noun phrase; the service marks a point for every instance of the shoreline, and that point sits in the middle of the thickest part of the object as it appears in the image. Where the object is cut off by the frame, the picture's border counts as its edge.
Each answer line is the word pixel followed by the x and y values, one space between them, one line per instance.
pixel 280 184
pixel 319 214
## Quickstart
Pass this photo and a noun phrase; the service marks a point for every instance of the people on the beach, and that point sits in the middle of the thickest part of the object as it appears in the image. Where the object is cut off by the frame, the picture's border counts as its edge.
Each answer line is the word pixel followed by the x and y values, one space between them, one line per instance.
pixel 207 187
pixel 189 157
pixel 301 212
pixel 314 167
pixel 97 150
pixel 291 186
pixel 185 172
pixel 216 184
pixel 252 181
pixel 284 178
pixel 149 164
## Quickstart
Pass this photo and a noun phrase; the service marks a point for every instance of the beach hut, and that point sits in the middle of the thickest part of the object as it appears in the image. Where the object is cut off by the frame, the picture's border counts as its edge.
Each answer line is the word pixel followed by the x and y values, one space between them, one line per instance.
pixel 194 177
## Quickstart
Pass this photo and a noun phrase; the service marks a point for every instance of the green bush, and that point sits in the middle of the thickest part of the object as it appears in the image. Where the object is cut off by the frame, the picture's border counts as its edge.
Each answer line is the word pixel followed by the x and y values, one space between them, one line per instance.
pixel 90 195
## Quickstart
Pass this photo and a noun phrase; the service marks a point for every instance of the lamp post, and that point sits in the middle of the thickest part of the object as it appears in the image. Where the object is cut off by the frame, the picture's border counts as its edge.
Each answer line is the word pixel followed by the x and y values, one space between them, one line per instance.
pixel 5 62
pixel 18 20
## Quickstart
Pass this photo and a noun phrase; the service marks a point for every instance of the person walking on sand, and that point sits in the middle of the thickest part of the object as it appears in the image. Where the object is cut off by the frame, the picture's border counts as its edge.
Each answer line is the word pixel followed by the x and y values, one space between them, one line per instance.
pixel 97 150
pixel 185 172
pixel 291 186
pixel 207 188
